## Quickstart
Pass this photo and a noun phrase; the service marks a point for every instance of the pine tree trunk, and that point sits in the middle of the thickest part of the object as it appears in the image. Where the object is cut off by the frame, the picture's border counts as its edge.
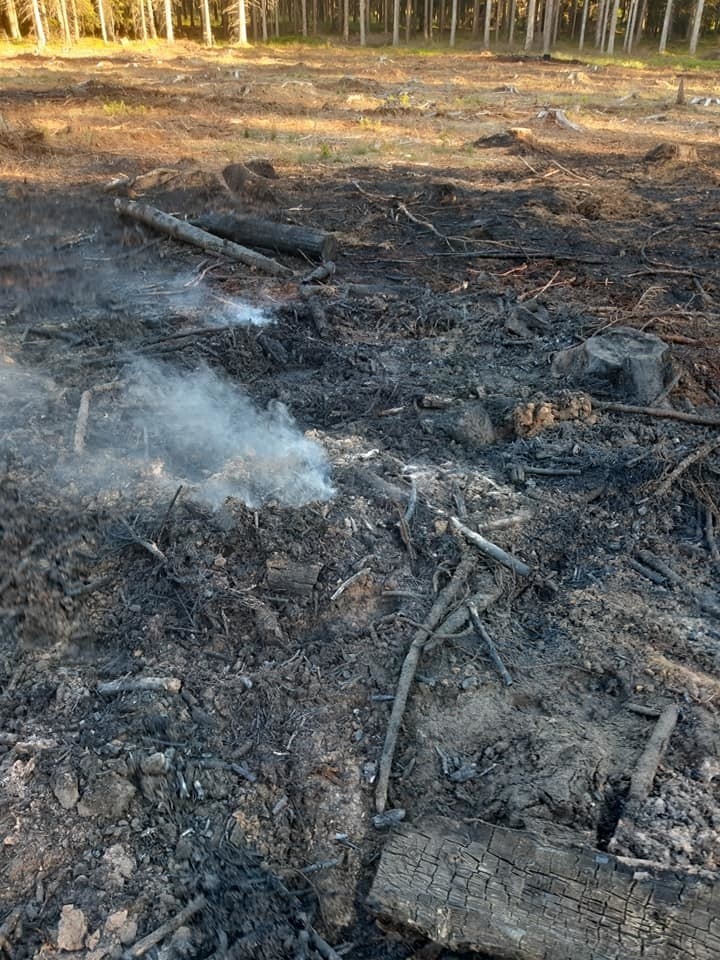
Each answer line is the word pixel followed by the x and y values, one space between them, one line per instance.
pixel 408 20
pixel 612 29
pixel 242 23
pixel 169 32
pixel 363 39
pixel 151 19
pixel 64 21
pixel 549 13
pixel 667 21
pixel 602 4
pixel 453 21
pixel 488 21
pixel 101 17
pixel 583 24
pixel 75 21
pixel 476 19
pixel 263 20
pixel 530 28
pixel 143 22
pixel 13 22
pixel 206 24
pixel 511 26
pixel 40 34
pixel 630 26
pixel 640 28
pixel 696 23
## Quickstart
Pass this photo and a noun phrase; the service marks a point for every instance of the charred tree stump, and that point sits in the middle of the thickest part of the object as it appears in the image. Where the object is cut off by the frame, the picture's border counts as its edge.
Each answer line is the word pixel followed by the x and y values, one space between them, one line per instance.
pixel 287 576
pixel 285 237
pixel 521 897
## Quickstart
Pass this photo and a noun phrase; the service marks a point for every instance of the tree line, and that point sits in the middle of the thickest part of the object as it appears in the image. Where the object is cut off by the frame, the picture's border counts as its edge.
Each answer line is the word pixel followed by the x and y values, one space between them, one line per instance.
pixel 533 25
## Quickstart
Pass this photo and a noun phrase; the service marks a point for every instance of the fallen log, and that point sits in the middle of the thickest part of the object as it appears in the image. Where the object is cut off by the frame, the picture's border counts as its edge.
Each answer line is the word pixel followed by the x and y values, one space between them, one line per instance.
pixel 516 896
pixel 284 237
pixel 187 233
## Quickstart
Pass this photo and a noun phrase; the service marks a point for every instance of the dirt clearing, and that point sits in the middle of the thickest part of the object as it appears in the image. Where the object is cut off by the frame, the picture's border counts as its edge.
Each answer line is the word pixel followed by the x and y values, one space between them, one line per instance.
pixel 227 497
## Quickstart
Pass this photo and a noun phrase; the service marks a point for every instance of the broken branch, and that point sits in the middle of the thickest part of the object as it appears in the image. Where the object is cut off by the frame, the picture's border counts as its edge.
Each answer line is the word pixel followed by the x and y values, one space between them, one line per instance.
pixel 407 674
pixel 141 947
pixel 643 777
pixel 488 641
pixel 491 549
pixel 660 412
pixel 703 451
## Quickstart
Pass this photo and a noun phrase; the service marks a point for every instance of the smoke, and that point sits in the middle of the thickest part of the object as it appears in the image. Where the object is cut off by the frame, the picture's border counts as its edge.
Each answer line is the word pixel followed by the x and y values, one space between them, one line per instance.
pixel 203 431
pixel 192 298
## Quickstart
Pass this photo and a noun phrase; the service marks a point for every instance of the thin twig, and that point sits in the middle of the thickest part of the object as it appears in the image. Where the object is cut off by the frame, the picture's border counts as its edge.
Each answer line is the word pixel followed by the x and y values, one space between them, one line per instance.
pixel 661 413
pixel 161 528
pixel 703 451
pixel 142 946
pixel 134 684
pixel 412 502
pixel 491 549
pixel 350 580
pixel 488 641
pixel 642 779
pixel 710 535
pixel 82 422
pixel 152 548
pixel 409 667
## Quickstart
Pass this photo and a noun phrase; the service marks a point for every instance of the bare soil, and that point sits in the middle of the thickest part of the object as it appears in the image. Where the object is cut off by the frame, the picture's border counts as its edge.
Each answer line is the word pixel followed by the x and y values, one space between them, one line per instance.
pixel 468 256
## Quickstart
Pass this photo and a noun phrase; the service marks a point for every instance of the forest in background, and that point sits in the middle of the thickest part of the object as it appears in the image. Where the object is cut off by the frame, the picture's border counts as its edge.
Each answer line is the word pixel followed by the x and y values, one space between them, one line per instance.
pixel 607 26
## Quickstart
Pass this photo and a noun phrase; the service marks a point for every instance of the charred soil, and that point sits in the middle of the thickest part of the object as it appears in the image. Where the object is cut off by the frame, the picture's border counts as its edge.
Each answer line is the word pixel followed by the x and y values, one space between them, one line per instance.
pixel 257 639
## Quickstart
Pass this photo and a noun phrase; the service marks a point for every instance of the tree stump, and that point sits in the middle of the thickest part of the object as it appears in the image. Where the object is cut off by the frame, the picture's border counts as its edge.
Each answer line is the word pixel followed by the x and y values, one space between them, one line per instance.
pixel 622 362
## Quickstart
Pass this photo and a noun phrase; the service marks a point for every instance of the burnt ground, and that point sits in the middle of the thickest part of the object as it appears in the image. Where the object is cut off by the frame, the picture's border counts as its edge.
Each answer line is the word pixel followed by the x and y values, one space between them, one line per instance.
pixel 464 265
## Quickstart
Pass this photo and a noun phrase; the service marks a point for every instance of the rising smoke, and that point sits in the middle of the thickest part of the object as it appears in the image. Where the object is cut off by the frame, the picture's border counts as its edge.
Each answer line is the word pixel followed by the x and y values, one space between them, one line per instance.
pixel 203 431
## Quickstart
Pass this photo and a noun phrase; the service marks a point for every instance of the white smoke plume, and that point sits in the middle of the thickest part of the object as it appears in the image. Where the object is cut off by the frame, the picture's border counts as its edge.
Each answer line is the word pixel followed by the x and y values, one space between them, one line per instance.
pixel 203 431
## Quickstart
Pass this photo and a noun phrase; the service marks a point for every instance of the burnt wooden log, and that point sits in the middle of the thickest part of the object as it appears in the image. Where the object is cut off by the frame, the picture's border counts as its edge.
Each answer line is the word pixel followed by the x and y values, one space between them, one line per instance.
pixel 285 237
pixel 517 896
pixel 188 233
pixel 288 576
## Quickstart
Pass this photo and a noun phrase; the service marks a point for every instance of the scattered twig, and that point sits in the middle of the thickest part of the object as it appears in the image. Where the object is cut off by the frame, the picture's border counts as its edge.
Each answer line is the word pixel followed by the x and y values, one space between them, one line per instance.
pixel 705 604
pixel 422 223
pixel 703 451
pixel 350 580
pixel 323 947
pixel 710 535
pixel 409 667
pixel 491 549
pixel 666 391
pixel 663 414
pixel 646 572
pixel 152 548
pixel 26 746
pixel 459 500
pixel 642 710
pixel 161 528
pixel 488 641
pixel 133 684
pixel 412 502
pixel 141 947
pixel 642 779
pixel 82 422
